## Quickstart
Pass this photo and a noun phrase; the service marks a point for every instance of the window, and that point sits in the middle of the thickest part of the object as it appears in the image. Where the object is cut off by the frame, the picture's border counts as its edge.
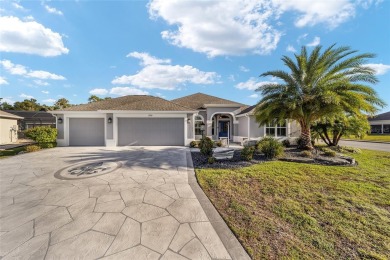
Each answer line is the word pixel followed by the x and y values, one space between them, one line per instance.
pixel 198 123
pixel 386 129
pixel 273 129
pixel 376 129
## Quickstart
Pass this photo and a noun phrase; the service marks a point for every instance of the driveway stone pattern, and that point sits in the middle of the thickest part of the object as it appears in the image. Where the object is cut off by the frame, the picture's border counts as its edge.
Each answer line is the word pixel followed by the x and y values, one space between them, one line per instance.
pixel 143 210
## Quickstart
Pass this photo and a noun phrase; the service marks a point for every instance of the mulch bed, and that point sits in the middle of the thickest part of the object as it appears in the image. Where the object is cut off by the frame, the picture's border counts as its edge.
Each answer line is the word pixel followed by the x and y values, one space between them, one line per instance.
pixel 291 154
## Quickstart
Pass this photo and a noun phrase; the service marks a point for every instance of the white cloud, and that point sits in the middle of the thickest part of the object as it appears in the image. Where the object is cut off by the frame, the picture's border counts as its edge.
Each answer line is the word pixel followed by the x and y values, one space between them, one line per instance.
pixel 123 91
pixel 40 74
pixel 29 37
pixel 3 81
pixel 244 69
pixel 254 96
pixel 165 76
pixel 29 18
pixel 99 91
pixel 16 69
pixel 232 77
pixel 41 82
pixel 25 96
pixel 17 6
pixel 147 59
pixel 219 27
pixel 8 100
pixel 50 100
pixel 290 48
pixel 315 42
pixel 45 92
pixel 252 84
pixel 379 68
pixel 13 69
pixel 52 10
pixel 310 13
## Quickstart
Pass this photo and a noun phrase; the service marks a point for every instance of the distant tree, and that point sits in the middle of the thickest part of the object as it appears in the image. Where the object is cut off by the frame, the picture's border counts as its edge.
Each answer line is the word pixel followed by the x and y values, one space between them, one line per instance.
pixel 5 105
pixel 94 98
pixel 331 129
pixel 61 104
pixel 319 85
pixel 27 105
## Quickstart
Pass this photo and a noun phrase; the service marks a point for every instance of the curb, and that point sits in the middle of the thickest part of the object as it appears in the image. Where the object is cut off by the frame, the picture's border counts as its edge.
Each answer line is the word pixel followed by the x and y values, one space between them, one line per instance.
pixel 229 240
pixel 364 141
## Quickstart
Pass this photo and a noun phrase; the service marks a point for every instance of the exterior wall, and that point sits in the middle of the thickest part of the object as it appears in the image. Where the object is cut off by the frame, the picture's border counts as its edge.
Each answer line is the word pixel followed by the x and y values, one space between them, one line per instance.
pixel 60 128
pixel 6 134
pixel 190 126
pixel 110 127
pixel 256 131
pixel 295 129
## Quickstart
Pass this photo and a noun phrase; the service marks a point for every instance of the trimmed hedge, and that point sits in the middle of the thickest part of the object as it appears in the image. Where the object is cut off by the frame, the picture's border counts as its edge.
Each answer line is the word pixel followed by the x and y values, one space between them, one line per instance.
pixel 42 134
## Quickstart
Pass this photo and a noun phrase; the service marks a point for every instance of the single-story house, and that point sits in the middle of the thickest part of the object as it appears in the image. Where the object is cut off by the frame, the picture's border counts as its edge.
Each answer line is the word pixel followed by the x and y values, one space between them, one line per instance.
pixel 8 127
pixel 148 120
pixel 380 124
pixel 32 119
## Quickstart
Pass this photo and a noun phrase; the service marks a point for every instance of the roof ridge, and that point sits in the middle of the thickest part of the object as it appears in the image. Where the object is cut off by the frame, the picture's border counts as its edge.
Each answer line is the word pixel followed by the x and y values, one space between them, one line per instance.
pixel 175 103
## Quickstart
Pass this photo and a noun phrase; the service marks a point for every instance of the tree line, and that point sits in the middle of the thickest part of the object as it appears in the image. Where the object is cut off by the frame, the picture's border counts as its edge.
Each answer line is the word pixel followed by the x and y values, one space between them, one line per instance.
pixel 33 105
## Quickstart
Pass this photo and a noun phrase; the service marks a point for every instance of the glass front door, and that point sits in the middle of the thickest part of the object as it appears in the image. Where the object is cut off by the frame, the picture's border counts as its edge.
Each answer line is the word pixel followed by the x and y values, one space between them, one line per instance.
pixel 223 128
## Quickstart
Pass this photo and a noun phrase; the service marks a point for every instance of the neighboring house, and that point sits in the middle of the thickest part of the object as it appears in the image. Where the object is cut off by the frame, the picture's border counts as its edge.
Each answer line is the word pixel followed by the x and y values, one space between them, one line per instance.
pixel 148 120
pixel 32 119
pixel 380 124
pixel 8 127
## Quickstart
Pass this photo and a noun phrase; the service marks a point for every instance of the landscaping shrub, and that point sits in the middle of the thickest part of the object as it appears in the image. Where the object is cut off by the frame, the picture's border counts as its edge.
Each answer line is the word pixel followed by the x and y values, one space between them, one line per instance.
pixel 307 154
pixel 329 152
pixel 247 153
pixel 42 134
pixel 271 148
pixel 262 141
pixel 211 160
pixel 32 148
pixel 48 145
pixel 206 146
pixel 286 143
pixel 194 144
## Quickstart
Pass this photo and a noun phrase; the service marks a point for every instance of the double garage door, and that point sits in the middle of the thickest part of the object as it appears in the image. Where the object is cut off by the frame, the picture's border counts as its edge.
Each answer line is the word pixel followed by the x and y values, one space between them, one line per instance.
pixel 150 131
pixel 131 131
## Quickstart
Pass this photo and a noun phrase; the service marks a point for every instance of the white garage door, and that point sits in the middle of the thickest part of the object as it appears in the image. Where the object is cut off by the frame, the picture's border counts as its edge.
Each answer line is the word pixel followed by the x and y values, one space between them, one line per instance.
pixel 86 131
pixel 151 131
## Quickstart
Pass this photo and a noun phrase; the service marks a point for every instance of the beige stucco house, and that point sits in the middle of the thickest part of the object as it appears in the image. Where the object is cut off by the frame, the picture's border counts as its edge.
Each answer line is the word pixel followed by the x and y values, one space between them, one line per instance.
pixel 8 127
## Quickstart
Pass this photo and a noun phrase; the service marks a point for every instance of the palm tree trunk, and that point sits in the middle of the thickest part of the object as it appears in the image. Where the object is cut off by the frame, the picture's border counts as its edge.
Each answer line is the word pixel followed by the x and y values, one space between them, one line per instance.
pixel 306 136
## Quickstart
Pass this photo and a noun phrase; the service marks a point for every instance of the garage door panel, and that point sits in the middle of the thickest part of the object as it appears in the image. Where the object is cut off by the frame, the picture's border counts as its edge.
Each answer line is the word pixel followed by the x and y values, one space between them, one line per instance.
pixel 151 131
pixel 86 131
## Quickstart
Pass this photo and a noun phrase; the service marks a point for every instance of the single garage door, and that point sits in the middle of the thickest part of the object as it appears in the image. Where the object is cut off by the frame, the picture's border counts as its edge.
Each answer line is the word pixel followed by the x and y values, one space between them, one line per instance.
pixel 86 131
pixel 151 131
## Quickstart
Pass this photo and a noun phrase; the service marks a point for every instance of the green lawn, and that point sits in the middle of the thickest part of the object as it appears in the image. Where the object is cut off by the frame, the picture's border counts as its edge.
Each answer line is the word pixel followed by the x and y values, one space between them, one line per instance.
pixel 282 210
pixel 378 138
pixel 11 152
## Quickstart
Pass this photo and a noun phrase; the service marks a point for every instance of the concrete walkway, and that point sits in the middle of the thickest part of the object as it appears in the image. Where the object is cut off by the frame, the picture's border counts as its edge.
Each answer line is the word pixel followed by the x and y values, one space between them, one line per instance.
pixel 119 203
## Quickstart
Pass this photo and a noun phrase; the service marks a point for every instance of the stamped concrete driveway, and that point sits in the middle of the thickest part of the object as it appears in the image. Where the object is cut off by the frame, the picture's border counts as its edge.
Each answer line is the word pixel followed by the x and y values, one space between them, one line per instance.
pixel 88 203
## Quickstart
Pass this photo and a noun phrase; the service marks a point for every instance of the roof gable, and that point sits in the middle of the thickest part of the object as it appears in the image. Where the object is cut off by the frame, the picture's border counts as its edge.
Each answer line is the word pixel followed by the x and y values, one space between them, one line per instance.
pixel 199 100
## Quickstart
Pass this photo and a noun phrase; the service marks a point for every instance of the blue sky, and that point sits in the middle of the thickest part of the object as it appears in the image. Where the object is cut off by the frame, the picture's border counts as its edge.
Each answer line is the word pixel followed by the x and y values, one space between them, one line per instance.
pixel 72 49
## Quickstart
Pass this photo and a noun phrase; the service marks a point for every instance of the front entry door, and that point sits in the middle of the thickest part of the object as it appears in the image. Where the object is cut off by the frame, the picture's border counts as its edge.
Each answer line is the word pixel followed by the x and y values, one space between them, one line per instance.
pixel 223 128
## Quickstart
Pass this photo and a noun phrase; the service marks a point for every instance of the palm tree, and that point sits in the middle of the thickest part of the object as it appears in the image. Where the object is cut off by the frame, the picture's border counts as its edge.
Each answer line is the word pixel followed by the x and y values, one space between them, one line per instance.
pixel 319 85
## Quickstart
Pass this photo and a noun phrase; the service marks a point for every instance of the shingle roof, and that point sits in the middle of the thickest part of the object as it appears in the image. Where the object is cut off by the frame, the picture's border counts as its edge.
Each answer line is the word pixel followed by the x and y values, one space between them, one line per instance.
pixel 384 116
pixel 198 100
pixel 135 102
pixel 4 114
pixel 247 110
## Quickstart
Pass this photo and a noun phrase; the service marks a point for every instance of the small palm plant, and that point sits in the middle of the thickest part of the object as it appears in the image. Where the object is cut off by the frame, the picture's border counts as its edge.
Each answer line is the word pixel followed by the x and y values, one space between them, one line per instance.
pixel 319 85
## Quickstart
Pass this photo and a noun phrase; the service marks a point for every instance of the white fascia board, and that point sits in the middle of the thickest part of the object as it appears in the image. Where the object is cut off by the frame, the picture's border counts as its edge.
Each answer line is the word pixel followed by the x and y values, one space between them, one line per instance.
pixel 246 114
pixel 221 105
pixel 145 112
